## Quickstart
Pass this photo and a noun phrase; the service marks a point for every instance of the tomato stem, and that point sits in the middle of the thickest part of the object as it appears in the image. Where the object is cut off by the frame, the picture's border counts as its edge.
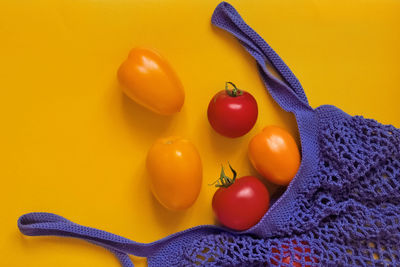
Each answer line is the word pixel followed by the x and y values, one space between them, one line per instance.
pixel 234 92
pixel 223 180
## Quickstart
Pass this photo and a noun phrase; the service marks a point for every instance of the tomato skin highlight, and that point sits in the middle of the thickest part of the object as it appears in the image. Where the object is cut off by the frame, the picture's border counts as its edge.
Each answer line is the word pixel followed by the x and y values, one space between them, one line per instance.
pixel 232 116
pixel 274 154
pixel 175 172
pixel 148 79
pixel 242 204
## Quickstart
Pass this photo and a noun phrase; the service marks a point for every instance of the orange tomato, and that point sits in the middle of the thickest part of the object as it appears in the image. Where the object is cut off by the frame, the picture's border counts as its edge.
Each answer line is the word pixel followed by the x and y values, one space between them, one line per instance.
pixel 274 154
pixel 175 171
pixel 148 79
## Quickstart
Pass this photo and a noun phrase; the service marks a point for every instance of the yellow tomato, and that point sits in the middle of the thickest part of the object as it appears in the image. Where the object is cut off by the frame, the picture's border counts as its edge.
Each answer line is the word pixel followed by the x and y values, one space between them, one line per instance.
pixel 274 154
pixel 148 79
pixel 175 171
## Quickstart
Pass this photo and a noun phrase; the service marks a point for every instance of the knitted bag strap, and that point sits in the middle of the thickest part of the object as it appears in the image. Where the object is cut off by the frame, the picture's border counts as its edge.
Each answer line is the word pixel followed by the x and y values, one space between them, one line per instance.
pixel 288 93
pixel 43 224
pixel 49 224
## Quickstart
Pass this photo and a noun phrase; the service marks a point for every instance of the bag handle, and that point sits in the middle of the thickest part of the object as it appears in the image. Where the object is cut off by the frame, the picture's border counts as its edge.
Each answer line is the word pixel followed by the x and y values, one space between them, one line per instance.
pixel 289 94
pixel 44 224
pixel 49 224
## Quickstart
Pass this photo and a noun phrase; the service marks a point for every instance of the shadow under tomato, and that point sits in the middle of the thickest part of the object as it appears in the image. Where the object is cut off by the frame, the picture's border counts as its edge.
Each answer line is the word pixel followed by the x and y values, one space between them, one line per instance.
pixel 223 146
pixel 167 218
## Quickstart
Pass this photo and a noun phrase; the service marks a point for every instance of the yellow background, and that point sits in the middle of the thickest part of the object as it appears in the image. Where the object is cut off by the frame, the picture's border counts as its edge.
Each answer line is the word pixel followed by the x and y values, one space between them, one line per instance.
pixel 72 144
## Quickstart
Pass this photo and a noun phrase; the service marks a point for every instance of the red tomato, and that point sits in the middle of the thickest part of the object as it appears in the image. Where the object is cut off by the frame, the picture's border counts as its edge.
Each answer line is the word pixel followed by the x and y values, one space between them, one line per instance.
pixel 240 204
pixel 232 113
pixel 296 262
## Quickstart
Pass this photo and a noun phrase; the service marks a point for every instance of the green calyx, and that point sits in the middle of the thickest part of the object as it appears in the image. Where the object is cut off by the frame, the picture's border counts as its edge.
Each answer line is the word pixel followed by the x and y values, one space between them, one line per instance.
pixel 223 180
pixel 234 92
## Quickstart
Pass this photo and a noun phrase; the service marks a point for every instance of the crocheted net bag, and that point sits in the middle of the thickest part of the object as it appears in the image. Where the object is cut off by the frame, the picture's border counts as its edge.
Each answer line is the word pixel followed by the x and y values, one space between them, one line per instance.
pixel 342 208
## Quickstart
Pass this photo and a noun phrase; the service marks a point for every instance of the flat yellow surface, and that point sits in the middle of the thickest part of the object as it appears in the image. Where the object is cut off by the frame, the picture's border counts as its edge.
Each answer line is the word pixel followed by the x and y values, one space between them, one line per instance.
pixel 72 144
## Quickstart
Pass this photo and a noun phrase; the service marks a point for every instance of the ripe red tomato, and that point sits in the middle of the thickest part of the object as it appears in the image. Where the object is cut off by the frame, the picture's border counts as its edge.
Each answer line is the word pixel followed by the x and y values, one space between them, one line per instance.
pixel 232 113
pixel 240 203
pixel 296 262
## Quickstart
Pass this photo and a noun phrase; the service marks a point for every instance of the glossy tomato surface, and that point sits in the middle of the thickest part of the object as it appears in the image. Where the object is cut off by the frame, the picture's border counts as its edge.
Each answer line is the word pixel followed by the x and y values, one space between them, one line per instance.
pixel 232 115
pixel 175 172
pixel 148 79
pixel 242 204
pixel 274 154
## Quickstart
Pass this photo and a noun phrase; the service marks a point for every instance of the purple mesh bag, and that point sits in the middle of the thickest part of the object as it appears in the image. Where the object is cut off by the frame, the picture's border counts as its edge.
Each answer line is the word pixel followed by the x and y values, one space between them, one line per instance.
pixel 341 209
